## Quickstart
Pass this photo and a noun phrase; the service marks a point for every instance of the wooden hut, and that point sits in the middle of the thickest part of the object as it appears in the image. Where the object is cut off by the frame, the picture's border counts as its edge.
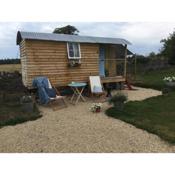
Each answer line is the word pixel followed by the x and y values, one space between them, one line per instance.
pixel 66 58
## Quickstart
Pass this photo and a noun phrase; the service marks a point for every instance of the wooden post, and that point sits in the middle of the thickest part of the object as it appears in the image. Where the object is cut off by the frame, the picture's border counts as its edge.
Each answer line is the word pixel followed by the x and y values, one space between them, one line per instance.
pixel 125 62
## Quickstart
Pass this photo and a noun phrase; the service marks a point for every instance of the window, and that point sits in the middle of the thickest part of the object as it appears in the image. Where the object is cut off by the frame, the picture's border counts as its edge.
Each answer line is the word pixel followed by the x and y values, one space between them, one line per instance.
pixel 73 50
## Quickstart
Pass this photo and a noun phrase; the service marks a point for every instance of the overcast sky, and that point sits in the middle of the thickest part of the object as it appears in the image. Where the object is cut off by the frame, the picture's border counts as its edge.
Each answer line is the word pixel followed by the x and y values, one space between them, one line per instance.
pixel 145 37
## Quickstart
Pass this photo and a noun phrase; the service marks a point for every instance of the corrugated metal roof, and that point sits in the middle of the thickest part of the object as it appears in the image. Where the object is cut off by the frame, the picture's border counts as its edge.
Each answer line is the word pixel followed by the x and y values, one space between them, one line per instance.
pixel 68 38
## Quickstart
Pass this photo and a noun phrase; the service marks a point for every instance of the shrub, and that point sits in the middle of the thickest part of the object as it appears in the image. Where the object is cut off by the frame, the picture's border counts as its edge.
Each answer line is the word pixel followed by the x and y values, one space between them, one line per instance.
pixel 119 97
pixel 118 101
pixel 166 91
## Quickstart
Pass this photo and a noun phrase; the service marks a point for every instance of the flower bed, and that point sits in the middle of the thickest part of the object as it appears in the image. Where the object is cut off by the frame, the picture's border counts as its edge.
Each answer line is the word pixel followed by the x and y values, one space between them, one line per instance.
pixel 170 81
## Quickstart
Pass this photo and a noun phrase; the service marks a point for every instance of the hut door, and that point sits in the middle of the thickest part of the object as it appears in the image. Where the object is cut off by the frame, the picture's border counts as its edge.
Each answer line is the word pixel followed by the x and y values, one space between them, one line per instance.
pixel 102 60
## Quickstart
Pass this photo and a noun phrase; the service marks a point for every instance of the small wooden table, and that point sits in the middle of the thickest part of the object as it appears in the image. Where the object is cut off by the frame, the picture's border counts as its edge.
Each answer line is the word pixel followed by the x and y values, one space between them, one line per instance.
pixel 78 90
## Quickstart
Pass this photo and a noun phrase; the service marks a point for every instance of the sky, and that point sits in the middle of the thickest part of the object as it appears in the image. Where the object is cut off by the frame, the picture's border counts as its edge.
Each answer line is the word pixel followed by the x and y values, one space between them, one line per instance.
pixel 144 36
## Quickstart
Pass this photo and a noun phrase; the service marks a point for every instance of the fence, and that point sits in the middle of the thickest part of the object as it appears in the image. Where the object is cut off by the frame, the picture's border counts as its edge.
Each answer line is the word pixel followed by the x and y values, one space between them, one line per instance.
pixel 135 67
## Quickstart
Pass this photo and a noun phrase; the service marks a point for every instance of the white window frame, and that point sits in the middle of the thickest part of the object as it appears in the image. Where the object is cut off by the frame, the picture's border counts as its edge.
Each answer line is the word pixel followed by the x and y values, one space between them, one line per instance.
pixel 78 50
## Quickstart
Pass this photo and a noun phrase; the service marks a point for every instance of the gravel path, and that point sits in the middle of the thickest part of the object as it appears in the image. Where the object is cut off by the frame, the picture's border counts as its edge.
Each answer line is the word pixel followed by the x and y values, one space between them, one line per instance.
pixel 76 129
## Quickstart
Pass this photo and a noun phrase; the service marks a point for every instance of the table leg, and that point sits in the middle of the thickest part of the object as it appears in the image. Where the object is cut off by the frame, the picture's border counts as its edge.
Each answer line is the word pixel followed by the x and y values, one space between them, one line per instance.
pixel 74 94
pixel 81 96
pixel 78 97
pixel 79 93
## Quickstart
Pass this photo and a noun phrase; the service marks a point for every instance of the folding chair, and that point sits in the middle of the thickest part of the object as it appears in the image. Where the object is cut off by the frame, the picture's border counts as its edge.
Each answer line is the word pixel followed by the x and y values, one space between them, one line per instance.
pixel 96 86
pixel 58 95
pixel 47 92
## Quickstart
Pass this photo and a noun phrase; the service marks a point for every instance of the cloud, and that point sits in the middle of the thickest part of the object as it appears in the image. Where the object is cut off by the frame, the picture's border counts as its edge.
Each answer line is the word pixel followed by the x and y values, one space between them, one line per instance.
pixel 144 36
pixel 147 32
pixel 8 48
pixel 8 33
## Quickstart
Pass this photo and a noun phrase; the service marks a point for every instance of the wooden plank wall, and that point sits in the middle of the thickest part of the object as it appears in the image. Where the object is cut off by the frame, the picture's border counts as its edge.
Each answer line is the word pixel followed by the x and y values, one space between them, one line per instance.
pixel 49 58
pixel 23 62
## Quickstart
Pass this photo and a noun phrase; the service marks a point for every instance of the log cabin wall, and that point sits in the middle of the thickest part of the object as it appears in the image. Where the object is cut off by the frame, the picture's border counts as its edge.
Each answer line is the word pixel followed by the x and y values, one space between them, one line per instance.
pixel 49 58
pixel 23 57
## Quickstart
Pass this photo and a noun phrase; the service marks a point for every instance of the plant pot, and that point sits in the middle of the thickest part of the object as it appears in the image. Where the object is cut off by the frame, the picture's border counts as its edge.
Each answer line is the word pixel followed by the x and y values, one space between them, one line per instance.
pixel 119 106
pixel 170 84
pixel 27 107
pixel 98 110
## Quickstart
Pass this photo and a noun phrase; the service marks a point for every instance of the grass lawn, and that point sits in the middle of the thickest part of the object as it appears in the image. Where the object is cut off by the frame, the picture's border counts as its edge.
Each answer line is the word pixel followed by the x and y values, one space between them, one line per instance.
pixel 156 115
pixel 153 79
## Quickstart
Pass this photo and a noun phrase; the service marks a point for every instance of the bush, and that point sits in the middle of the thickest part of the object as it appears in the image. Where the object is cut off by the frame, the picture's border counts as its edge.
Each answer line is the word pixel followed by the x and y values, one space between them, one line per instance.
pixel 118 101
pixel 15 106
pixel 11 82
pixel 166 91
pixel 119 97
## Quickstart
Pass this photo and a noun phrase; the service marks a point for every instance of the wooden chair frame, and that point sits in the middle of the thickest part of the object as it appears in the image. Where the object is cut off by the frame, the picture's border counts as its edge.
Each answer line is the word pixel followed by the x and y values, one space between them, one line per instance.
pixel 97 94
pixel 61 98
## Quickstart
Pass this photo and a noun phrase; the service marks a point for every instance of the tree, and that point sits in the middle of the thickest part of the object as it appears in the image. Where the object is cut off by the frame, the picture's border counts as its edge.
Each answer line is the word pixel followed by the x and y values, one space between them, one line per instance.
pixel 152 54
pixel 70 30
pixel 10 61
pixel 168 49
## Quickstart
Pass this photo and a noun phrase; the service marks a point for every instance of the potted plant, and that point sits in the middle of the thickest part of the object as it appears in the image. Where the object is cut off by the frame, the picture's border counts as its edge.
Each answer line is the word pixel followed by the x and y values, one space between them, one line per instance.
pixel 170 81
pixel 96 107
pixel 118 101
pixel 27 103
pixel 74 63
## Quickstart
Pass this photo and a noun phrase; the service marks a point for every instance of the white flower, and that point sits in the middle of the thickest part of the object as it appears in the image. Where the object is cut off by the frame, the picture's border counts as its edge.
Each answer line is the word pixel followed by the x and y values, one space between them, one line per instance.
pixel 95 106
pixel 169 79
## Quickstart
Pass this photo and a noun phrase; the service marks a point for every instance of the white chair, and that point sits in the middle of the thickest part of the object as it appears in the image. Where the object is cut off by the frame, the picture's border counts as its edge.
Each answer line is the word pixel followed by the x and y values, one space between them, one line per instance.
pixel 96 86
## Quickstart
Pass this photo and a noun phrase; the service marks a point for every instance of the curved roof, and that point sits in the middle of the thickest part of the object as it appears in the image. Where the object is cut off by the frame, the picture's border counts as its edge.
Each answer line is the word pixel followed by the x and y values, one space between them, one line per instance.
pixel 68 38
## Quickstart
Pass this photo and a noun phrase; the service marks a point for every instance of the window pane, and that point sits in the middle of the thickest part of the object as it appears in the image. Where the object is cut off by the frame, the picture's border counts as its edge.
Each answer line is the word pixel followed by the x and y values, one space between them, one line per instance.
pixel 71 51
pixel 76 50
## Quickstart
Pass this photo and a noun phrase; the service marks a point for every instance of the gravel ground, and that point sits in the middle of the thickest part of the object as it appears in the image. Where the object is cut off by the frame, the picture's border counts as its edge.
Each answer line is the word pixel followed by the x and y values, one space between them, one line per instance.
pixel 76 129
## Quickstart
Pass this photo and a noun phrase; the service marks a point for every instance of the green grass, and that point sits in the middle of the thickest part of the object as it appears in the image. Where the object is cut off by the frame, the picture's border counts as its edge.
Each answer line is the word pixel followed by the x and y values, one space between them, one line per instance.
pixel 154 79
pixel 156 115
